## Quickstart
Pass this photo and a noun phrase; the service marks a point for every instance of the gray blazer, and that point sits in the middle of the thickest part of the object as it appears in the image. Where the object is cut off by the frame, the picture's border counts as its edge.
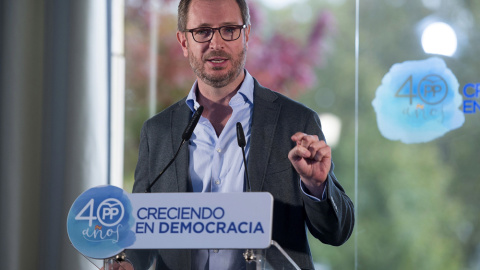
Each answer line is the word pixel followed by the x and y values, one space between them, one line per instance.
pixel 275 119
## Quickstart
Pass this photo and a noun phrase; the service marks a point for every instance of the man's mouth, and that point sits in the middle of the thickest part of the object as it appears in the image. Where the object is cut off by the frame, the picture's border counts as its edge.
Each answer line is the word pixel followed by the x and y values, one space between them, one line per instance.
pixel 217 60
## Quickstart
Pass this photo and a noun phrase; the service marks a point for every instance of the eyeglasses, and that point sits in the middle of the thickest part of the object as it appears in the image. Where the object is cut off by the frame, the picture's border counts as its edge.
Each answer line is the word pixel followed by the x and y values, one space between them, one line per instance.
pixel 227 32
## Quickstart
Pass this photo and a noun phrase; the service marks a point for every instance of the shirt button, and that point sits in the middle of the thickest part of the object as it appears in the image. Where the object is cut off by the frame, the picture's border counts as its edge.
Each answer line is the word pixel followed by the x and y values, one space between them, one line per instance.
pixel 215 251
pixel 219 150
pixel 217 182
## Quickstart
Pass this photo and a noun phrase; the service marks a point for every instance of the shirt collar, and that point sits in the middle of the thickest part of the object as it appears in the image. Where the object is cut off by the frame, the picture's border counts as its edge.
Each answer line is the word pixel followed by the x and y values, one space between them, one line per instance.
pixel 246 90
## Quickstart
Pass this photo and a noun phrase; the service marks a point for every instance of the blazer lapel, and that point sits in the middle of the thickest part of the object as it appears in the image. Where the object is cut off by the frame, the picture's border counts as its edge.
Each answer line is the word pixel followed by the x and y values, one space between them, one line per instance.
pixel 265 116
pixel 179 120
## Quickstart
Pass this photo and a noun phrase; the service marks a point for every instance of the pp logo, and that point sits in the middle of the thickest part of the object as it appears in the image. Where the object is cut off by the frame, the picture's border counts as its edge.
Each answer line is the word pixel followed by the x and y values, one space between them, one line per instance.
pixel 433 89
pixel 110 212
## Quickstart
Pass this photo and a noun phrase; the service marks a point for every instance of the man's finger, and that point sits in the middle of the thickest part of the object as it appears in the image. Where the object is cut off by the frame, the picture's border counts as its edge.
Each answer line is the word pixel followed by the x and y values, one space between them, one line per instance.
pixel 315 147
pixel 323 152
pixel 299 152
pixel 308 140
pixel 298 136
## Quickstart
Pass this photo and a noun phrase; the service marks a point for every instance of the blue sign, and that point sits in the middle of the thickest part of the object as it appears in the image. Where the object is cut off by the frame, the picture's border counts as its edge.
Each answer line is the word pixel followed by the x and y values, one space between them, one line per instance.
pixel 100 224
pixel 105 220
pixel 418 101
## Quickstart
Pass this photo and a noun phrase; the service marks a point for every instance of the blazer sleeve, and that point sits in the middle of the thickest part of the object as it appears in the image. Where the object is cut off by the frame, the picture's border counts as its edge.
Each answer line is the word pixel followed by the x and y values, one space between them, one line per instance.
pixel 331 220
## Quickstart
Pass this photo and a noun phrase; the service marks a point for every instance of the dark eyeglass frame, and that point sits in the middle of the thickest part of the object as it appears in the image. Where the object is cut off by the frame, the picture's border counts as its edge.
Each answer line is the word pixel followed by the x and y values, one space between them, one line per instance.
pixel 216 29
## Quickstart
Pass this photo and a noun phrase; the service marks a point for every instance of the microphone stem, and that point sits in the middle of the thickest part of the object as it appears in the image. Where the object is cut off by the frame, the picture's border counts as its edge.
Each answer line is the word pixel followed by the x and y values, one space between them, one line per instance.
pixel 246 173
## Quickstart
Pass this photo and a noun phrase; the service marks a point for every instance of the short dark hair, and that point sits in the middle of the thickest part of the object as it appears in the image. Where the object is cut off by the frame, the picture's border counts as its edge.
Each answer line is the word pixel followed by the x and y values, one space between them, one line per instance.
pixel 184 5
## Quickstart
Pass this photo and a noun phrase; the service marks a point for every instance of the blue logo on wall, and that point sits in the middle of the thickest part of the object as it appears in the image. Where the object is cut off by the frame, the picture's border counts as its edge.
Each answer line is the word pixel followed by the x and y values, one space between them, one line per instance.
pixel 100 222
pixel 418 101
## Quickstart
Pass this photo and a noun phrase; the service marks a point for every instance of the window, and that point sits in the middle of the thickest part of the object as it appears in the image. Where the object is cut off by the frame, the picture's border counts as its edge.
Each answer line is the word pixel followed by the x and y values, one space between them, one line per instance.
pixel 414 191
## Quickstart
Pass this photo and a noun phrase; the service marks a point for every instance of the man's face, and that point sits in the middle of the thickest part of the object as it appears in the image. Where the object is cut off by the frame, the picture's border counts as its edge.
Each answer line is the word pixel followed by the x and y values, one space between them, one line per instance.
pixel 218 62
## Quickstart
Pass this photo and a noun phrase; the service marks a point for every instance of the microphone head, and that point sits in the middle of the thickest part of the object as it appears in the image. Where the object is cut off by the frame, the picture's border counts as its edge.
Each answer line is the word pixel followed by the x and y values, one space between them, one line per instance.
pixel 193 123
pixel 240 135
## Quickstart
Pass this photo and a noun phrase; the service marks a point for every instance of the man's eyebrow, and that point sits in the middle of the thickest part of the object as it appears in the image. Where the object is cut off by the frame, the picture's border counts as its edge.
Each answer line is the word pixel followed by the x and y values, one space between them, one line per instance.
pixel 203 25
pixel 210 25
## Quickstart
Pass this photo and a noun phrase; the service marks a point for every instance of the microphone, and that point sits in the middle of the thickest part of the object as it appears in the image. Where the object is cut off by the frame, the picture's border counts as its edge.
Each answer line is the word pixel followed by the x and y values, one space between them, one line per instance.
pixel 249 255
pixel 242 144
pixel 187 133
pixel 193 123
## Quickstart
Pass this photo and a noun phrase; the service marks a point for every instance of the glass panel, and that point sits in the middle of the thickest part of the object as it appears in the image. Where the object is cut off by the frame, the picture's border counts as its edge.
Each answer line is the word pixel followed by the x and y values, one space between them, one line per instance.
pixel 417 151
pixel 418 128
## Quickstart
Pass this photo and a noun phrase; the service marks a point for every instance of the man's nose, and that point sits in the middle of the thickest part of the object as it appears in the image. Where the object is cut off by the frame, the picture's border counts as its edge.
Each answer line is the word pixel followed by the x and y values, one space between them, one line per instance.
pixel 217 41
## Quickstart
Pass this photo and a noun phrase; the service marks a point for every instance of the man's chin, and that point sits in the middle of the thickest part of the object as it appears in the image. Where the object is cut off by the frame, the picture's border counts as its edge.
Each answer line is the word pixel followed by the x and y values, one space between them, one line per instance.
pixel 218 78
pixel 217 82
pixel 218 68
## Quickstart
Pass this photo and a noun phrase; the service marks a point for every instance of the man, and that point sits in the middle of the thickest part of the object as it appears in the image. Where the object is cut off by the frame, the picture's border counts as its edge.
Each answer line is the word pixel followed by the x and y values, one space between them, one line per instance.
pixel 286 150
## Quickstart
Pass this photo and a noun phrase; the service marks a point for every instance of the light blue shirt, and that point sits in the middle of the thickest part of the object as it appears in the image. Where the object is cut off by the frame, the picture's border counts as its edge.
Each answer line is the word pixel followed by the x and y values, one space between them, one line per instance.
pixel 216 164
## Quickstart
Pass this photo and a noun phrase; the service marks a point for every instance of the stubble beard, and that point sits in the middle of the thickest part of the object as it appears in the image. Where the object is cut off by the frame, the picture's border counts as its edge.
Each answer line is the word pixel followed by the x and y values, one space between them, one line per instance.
pixel 221 80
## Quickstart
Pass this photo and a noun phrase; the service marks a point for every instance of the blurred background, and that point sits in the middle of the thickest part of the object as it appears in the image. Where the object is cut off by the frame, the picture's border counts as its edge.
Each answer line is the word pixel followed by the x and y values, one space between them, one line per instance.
pixel 79 78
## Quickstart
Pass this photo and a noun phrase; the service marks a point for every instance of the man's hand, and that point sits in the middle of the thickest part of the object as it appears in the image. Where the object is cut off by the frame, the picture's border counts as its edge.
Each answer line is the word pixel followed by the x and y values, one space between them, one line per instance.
pixel 120 266
pixel 311 158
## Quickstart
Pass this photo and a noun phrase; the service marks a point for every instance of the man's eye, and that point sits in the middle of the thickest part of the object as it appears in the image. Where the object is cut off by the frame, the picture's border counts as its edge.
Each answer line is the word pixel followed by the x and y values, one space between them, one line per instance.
pixel 203 32
pixel 229 29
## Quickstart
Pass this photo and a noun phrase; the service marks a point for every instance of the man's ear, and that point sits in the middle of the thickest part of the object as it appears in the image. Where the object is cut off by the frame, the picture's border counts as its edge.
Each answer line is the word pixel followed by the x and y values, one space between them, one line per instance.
pixel 247 34
pixel 182 39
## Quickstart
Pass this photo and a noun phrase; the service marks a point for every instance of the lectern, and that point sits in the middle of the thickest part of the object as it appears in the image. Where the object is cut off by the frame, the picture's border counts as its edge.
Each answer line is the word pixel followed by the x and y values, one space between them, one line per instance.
pixel 104 221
